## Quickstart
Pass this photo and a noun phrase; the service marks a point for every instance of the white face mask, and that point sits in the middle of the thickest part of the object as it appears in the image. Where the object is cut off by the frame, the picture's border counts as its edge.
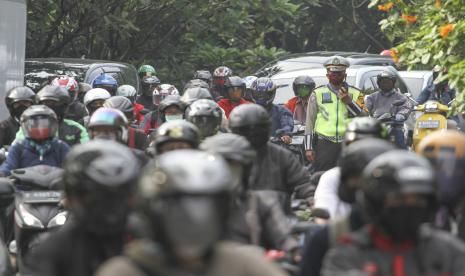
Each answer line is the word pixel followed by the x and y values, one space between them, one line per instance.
pixel 169 118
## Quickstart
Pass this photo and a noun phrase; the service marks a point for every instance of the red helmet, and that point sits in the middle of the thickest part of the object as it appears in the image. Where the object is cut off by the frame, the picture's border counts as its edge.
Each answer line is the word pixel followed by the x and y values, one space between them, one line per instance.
pixel 69 83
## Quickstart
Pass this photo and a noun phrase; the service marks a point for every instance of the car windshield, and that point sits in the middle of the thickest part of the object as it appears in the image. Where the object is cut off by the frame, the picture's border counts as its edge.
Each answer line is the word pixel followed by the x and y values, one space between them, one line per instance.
pixel 284 91
pixel 37 74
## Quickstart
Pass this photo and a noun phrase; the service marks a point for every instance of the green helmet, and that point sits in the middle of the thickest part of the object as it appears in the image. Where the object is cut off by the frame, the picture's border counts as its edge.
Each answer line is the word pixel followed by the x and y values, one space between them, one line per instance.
pixel 146 69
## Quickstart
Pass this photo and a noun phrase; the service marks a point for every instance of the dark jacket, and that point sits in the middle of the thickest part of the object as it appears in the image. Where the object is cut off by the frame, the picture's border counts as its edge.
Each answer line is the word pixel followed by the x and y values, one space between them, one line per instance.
pixel 145 258
pixel 23 154
pixel 258 219
pixel 146 101
pixel 8 129
pixel 276 168
pixel 281 120
pixel 367 252
pixel 152 120
pixel 137 139
pixel 73 251
pixel 379 103
pixel 430 93
pixel 76 112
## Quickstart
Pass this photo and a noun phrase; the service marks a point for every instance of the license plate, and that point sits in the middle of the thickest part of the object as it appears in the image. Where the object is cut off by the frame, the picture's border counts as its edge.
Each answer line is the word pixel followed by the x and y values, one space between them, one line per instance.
pixel 297 140
pixel 428 124
pixel 42 196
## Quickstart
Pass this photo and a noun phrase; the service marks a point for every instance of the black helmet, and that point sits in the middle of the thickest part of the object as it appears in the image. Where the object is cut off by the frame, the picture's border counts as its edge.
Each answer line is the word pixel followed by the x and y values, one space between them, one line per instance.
pixel 234 82
pixel 148 84
pixel 121 103
pixel 54 93
pixel 101 176
pixel 251 121
pixel 178 130
pixel 196 83
pixel 39 122
pixel 385 182
pixel 263 91
pixel 354 159
pixel 386 75
pixel 363 127
pixel 231 147
pixel 192 94
pixel 206 115
pixel 197 195
pixel 303 82
pixel 204 75
pixel 18 94
pixel 57 94
pixel 109 117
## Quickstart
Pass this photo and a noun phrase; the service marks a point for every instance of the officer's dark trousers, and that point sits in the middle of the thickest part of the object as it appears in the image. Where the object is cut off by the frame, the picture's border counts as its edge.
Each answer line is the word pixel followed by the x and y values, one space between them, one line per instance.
pixel 326 155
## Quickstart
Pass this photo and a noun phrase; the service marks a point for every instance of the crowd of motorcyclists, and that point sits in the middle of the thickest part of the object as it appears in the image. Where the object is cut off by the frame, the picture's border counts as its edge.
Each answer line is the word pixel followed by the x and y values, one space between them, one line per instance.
pixel 200 180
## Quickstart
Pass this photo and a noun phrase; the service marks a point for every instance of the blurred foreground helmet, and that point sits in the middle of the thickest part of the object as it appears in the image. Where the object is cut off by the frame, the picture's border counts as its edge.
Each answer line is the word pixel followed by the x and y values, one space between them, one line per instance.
pixel 187 203
pixel 363 127
pixel 100 176
pixel 446 152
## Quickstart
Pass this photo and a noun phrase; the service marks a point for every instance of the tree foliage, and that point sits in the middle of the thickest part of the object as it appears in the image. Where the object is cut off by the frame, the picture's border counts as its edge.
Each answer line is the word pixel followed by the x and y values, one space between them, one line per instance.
pixel 180 36
pixel 428 33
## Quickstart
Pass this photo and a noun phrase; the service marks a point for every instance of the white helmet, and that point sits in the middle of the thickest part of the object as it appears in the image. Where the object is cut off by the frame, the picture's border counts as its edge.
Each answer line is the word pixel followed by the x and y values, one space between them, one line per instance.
pixel 93 95
pixel 126 90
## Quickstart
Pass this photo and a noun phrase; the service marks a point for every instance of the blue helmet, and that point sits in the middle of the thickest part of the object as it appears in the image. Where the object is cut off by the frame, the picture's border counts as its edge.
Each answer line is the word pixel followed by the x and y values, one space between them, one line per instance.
pixel 263 91
pixel 106 82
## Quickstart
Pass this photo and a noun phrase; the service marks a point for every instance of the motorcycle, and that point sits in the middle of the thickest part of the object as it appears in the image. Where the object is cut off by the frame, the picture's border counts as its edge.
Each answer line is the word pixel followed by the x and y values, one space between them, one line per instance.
pixel 394 128
pixel 433 118
pixel 38 209
pixel 297 145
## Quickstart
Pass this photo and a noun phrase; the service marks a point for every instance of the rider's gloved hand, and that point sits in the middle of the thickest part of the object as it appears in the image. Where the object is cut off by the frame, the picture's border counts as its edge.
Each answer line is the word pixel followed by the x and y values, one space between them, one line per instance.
pixel 400 117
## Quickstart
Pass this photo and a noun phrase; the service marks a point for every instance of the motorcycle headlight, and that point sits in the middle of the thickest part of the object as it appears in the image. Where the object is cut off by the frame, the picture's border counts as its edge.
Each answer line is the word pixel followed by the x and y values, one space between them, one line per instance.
pixel 431 107
pixel 58 220
pixel 25 218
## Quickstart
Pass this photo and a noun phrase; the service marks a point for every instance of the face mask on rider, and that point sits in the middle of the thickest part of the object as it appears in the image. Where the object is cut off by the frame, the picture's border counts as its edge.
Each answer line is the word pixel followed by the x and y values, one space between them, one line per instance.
pixel 169 118
pixel 336 77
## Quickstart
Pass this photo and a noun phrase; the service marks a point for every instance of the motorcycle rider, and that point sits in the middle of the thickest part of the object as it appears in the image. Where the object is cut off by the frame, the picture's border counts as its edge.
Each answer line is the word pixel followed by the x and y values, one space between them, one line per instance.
pixel 136 138
pixel 329 109
pixel 345 215
pixel 187 240
pixel 440 91
pixel 446 152
pixel 156 117
pixel 130 92
pixel 175 135
pixel 206 115
pixel 76 110
pixel 302 87
pixel 220 75
pixel 57 99
pixel 384 102
pixel 17 100
pixel 282 124
pixel 148 85
pixel 275 168
pixel 256 216
pixel 235 91
pixel 398 195
pixel 106 82
pixel 194 83
pixel 99 180
pixel 39 146
pixel 93 100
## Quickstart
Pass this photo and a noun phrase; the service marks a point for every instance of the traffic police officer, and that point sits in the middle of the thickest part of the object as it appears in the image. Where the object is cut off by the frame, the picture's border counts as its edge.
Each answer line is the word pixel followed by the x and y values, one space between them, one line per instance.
pixel 329 109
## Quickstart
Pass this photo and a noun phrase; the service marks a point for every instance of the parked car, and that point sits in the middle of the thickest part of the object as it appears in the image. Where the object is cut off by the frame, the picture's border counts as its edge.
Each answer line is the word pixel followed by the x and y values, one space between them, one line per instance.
pixel 362 77
pixel 38 71
pixel 309 60
pixel 416 80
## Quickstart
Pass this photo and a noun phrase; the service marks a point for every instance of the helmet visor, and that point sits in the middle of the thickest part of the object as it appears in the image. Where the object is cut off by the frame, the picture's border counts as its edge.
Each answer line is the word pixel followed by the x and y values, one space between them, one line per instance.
pixel 262 97
pixel 303 90
pixel 39 127
pixel 207 125
pixel 219 81
pixel 192 224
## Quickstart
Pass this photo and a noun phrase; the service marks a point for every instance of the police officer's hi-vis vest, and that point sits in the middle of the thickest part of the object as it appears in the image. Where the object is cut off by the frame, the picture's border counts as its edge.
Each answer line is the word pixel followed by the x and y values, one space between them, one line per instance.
pixel 333 115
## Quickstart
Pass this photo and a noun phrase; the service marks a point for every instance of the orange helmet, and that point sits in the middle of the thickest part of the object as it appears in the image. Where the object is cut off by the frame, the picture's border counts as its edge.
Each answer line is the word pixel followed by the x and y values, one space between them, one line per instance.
pixel 386 53
pixel 446 151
